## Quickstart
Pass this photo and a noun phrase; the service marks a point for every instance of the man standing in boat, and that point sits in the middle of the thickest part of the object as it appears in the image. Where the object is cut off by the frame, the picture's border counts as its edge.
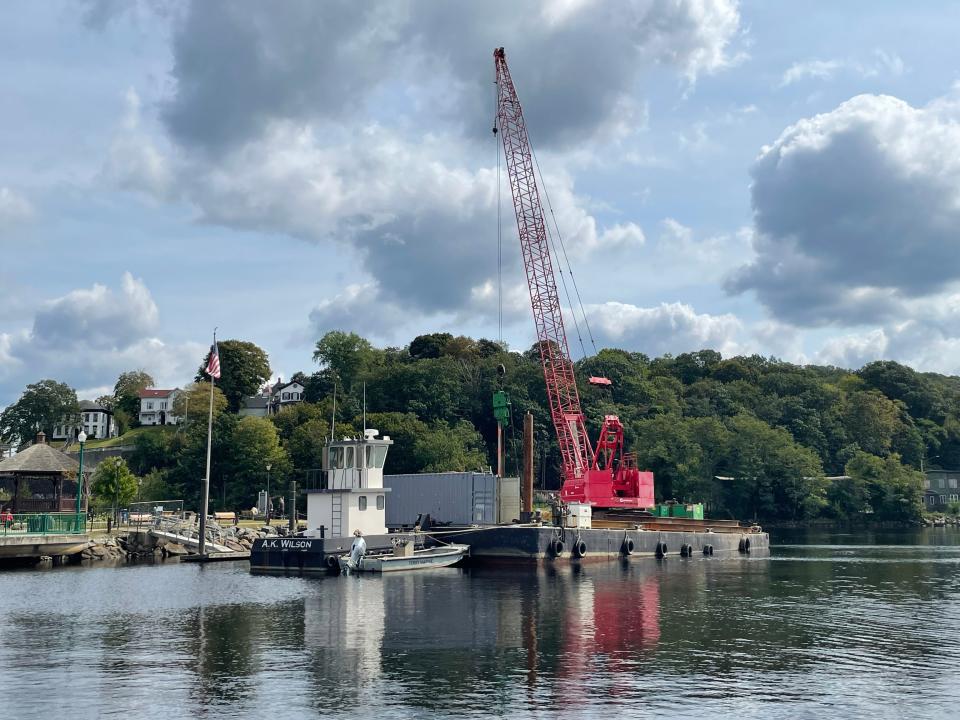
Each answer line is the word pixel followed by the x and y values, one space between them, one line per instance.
pixel 358 549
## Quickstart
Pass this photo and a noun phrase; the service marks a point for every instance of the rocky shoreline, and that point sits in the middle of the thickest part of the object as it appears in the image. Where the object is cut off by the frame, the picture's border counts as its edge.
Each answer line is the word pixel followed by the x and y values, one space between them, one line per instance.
pixel 121 547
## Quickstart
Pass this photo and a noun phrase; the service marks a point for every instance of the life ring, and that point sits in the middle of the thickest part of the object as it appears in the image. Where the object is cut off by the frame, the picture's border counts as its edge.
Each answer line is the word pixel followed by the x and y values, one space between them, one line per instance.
pixel 580 549
pixel 557 547
pixel 627 548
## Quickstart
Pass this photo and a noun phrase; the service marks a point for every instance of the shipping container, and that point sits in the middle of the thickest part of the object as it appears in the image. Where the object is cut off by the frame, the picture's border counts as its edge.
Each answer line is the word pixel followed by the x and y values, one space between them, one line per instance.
pixel 461 498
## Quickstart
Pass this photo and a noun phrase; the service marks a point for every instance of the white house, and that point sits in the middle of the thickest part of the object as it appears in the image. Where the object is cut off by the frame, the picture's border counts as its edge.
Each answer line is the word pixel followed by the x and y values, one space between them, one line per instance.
pixel 95 420
pixel 156 406
pixel 283 394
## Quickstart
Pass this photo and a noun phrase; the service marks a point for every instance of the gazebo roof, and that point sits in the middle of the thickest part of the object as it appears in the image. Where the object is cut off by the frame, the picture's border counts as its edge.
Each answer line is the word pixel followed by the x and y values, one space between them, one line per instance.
pixel 39 458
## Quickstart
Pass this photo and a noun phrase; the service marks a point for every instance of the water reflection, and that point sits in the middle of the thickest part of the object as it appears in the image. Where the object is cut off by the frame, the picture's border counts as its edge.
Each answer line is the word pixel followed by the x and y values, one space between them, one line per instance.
pixel 813 630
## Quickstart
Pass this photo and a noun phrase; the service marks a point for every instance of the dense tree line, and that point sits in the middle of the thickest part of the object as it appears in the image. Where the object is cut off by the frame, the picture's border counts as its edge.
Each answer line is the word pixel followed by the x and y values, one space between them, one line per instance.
pixel 751 436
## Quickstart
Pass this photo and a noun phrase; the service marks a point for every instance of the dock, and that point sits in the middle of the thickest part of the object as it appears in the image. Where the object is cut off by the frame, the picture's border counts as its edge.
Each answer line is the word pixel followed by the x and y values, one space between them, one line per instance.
pixel 216 557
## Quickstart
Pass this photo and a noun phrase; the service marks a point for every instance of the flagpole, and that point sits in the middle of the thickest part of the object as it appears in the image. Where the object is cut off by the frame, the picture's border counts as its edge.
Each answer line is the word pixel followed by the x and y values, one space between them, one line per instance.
pixel 206 477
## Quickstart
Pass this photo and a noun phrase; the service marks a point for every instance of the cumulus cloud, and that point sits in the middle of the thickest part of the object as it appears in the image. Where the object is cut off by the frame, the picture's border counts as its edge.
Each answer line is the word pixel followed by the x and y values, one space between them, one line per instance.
pixel 360 309
pixel 134 162
pixel 97 317
pixel 855 210
pixel 854 350
pixel 89 336
pixel 241 65
pixel 668 327
pixel 308 119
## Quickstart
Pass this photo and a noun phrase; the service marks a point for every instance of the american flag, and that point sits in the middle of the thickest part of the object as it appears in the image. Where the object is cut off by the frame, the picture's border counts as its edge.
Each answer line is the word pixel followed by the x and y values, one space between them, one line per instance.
pixel 213 364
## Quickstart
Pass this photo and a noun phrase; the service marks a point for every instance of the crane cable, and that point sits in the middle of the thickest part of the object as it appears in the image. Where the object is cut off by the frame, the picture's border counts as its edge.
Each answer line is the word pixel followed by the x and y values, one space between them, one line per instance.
pixel 566 258
pixel 496 142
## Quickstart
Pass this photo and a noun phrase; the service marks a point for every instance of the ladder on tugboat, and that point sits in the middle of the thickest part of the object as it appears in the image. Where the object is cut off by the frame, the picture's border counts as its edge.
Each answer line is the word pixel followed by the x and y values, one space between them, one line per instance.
pixel 336 515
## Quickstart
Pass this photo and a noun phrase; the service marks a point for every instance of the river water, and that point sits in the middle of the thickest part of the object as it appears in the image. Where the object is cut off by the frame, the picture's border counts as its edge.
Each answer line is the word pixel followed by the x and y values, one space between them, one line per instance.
pixel 827 626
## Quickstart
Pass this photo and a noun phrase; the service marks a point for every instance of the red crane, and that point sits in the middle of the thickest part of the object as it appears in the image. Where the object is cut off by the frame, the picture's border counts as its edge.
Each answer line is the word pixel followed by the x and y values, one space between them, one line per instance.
pixel 604 476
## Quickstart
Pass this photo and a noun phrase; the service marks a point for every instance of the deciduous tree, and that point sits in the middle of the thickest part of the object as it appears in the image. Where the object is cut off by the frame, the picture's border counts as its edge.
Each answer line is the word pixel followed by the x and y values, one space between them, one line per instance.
pixel 42 406
pixel 244 368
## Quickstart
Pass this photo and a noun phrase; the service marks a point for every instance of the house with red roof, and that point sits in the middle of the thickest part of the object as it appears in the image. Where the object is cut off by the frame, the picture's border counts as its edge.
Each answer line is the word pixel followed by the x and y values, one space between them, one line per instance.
pixel 156 406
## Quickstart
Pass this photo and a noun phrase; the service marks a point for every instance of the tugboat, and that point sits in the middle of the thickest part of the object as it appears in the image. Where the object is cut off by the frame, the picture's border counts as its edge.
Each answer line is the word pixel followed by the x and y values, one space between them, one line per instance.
pixel 351 499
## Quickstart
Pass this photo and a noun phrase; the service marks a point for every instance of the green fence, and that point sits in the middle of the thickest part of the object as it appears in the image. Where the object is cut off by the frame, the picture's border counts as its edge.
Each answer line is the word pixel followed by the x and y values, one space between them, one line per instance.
pixel 42 523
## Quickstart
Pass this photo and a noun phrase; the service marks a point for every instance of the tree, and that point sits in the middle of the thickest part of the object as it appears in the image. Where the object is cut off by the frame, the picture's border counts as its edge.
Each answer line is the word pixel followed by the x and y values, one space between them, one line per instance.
pixel 429 346
pixel 307 443
pixel 253 444
pixel 244 368
pixel 113 484
pixel 126 395
pixel 346 354
pixel 192 404
pixel 151 450
pixel 288 419
pixel 43 406
pixel 451 448
pixel 154 486
pixel 871 420
pixel 895 491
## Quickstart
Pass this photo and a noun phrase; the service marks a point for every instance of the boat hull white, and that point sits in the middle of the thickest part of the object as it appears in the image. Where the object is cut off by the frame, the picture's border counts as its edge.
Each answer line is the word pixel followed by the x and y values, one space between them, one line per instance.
pixel 437 557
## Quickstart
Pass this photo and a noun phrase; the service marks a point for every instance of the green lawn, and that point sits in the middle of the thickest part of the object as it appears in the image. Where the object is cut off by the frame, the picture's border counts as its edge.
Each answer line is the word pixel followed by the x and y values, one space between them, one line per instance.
pixel 128 438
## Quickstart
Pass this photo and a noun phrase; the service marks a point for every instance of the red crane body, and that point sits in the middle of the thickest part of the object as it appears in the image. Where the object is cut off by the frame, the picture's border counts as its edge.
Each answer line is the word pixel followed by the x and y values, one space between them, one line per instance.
pixel 605 476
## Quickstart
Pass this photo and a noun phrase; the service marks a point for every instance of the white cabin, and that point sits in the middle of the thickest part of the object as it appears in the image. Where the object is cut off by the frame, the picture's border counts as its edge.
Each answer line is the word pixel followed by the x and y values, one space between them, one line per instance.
pixel 353 497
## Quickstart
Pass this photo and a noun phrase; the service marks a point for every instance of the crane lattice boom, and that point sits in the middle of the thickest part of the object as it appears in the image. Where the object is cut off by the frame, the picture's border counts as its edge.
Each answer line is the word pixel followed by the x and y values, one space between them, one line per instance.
pixel 606 476
pixel 544 299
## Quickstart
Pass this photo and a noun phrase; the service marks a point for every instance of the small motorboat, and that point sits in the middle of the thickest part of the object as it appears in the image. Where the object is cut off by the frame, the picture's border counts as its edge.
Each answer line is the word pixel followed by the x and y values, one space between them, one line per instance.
pixel 404 557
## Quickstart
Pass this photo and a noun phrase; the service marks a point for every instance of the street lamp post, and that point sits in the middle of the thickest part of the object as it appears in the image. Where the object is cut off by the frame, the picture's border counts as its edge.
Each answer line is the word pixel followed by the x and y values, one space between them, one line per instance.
pixel 81 438
pixel 268 493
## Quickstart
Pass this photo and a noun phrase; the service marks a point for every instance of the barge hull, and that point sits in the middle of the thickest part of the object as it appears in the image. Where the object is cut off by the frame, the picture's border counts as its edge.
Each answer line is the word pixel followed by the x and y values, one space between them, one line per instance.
pixel 533 543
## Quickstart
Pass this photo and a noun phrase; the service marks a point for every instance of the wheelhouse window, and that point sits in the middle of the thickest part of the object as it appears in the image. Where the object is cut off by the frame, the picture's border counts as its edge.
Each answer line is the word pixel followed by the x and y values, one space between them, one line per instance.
pixel 379 455
pixel 380 504
pixel 362 502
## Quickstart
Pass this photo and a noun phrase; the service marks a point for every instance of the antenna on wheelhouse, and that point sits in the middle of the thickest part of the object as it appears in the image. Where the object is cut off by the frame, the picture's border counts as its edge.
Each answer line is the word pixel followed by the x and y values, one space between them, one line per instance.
pixel 333 414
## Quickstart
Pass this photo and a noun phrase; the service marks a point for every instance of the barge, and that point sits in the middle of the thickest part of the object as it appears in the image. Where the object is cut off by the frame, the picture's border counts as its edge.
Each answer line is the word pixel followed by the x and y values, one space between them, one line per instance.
pixel 353 498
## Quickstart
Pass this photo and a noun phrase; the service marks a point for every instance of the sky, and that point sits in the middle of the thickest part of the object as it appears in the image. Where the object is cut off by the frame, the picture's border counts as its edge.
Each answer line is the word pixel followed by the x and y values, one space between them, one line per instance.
pixel 753 177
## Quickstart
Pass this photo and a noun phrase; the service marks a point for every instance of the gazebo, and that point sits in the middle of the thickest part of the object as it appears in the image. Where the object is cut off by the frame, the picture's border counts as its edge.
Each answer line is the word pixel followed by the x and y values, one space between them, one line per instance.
pixel 40 479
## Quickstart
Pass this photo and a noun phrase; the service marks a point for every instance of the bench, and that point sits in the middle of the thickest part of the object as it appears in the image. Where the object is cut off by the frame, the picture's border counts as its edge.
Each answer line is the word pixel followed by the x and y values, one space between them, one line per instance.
pixel 225 516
